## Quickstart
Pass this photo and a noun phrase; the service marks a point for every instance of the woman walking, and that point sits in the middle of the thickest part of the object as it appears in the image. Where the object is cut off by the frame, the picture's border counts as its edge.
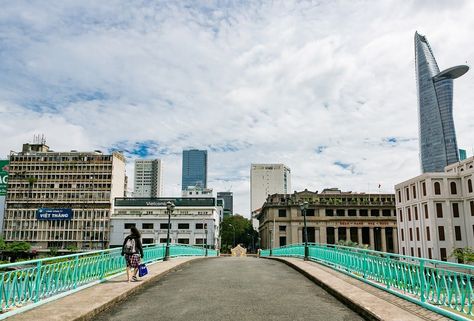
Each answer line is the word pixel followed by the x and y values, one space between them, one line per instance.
pixel 132 249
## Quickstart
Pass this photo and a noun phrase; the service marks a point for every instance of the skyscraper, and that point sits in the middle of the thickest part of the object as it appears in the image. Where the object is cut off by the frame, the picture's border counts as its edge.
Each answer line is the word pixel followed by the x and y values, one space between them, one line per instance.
pixel 194 168
pixel 228 198
pixel 148 181
pixel 438 146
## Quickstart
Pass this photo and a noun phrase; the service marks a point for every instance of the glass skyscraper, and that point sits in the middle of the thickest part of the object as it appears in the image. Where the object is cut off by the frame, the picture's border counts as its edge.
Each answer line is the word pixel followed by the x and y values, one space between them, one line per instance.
pixel 438 146
pixel 194 169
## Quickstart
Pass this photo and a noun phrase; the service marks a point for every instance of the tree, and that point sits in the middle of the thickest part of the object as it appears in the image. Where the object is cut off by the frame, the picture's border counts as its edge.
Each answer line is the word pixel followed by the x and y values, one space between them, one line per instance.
pixel 244 232
pixel 18 247
pixel 465 255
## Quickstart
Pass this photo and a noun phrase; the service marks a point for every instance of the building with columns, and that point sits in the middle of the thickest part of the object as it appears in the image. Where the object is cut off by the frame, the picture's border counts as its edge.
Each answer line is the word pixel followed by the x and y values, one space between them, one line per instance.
pixel 332 216
pixel 435 212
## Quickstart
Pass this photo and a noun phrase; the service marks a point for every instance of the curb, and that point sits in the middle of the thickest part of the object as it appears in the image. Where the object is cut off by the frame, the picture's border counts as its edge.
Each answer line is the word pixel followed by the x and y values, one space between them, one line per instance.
pixel 354 306
pixel 143 285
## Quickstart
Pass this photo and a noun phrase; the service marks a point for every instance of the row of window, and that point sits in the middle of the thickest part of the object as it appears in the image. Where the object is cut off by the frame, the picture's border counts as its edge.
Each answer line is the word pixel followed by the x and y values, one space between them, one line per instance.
pixel 442 252
pixel 164 226
pixel 342 212
pixel 439 211
pixel 436 187
pixel 441 234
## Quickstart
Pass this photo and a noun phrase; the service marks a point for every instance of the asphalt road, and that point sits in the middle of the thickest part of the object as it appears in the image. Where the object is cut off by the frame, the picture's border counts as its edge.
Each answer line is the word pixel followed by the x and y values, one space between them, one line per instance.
pixel 232 289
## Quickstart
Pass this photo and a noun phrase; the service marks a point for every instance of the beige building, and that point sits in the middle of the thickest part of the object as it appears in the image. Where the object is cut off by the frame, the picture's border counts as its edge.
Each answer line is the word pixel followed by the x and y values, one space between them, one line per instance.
pixel 62 199
pixel 148 178
pixel 436 212
pixel 332 216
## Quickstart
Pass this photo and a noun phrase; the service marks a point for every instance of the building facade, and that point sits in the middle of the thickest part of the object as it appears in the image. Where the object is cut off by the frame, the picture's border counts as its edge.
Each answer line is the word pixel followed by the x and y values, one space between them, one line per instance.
pixel 194 221
pixel 438 145
pixel 228 198
pixel 332 216
pixel 435 212
pixel 62 199
pixel 197 191
pixel 194 171
pixel 148 180
pixel 267 179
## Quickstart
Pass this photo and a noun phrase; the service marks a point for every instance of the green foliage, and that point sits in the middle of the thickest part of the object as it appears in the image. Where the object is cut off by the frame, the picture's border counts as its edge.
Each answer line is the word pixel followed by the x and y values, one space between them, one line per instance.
pixel 17 247
pixel 243 232
pixel 53 251
pixel 465 255
pixel 72 248
pixel 352 244
pixel 3 246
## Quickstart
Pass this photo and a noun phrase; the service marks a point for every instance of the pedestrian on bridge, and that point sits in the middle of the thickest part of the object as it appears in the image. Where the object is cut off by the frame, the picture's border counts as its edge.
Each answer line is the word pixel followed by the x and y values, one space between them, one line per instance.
pixel 133 251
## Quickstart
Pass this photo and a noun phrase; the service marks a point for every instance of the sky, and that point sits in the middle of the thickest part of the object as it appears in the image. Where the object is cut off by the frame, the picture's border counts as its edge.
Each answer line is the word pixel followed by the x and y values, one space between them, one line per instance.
pixel 325 87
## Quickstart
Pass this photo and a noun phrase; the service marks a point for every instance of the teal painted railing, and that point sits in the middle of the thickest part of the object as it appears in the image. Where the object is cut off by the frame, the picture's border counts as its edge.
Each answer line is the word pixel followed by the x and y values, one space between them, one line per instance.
pixel 443 287
pixel 28 282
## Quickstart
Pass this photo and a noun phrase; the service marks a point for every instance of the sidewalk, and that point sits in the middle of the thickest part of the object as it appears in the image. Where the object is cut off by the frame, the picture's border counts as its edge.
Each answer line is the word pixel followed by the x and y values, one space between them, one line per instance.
pixel 85 304
pixel 372 303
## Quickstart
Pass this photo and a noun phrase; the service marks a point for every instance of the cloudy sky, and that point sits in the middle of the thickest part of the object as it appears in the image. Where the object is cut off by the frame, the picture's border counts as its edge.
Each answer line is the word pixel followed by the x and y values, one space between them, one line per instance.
pixel 325 87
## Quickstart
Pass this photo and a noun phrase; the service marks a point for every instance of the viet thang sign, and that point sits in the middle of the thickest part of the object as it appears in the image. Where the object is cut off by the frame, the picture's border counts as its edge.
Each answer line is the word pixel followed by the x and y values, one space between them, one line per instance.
pixel 54 214
pixel 3 177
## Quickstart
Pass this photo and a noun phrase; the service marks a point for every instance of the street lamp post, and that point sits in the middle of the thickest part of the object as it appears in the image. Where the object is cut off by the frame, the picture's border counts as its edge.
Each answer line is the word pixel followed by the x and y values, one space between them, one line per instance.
pixel 205 226
pixel 233 244
pixel 303 207
pixel 169 209
pixel 253 243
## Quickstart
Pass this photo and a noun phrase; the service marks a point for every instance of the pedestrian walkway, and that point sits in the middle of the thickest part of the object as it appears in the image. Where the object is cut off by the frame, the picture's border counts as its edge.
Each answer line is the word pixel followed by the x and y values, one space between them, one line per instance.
pixel 371 302
pixel 85 304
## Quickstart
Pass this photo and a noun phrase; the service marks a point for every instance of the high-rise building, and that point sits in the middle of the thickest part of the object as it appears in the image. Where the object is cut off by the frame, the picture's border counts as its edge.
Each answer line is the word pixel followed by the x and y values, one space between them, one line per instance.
pixel 62 199
pixel 194 169
pixel 462 154
pixel 435 212
pixel 438 146
pixel 228 198
pixel 267 179
pixel 148 181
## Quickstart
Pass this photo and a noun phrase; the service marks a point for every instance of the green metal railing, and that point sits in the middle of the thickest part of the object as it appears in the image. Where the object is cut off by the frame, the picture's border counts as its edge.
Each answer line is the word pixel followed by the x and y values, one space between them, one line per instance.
pixel 443 287
pixel 28 282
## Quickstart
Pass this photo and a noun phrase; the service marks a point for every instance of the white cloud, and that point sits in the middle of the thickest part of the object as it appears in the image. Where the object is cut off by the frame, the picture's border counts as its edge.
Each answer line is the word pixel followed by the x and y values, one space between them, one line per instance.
pixel 256 82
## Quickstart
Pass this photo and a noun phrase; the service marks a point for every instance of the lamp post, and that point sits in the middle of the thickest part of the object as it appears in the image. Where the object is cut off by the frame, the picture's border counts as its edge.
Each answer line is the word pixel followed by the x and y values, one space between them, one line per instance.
pixel 233 244
pixel 169 209
pixel 205 226
pixel 253 243
pixel 303 208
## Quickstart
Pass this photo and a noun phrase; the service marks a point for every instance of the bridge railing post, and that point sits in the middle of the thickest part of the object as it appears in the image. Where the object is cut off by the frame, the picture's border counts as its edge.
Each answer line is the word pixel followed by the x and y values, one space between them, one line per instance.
pixel 38 281
pixel 76 271
pixel 422 280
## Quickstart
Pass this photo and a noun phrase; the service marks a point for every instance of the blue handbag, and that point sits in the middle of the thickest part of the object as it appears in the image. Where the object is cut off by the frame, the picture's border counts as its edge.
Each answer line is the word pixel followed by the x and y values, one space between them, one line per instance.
pixel 142 270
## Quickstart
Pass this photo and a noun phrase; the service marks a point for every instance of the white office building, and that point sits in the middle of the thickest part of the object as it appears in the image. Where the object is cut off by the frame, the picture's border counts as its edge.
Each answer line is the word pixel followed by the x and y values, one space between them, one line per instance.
pixel 435 212
pixel 267 179
pixel 194 221
pixel 148 181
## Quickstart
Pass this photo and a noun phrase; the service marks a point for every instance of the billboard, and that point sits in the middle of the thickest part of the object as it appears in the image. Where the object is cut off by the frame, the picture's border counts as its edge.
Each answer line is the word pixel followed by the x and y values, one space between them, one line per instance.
pixel 3 177
pixel 54 214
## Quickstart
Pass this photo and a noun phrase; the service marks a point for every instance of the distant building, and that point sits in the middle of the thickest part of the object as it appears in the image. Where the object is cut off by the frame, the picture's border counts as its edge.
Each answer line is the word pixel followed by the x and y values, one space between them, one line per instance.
pixel 197 191
pixel 438 145
pixel 435 212
pixel 267 179
pixel 462 154
pixel 62 199
pixel 332 216
pixel 228 198
pixel 194 171
pixel 195 221
pixel 148 181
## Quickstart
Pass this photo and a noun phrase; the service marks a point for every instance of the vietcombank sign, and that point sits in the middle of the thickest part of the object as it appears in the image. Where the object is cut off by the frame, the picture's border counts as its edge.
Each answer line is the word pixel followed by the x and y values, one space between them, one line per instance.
pixel 3 177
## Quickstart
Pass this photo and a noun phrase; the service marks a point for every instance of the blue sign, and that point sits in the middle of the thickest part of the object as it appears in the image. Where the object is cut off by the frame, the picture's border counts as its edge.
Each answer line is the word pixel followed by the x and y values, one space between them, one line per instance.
pixel 54 214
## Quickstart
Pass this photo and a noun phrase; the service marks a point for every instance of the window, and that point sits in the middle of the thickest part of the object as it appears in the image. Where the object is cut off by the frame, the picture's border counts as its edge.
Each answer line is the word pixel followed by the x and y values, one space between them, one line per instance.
pixel 409 214
pixel 441 233
pixel 469 185
pixel 386 213
pixel 282 240
pixel 364 212
pixel 374 212
pixel 411 234
pixel 329 212
pixel 457 233
pixel 401 215
pixel 437 188
pixel 282 228
pixel 414 191
pixel 402 234
pixel 164 226
pixel 352 213
pixel 416 213
pixel 428 236
pixel 183 226
pixel 147 226
pixel 453 188
pixel 183 241
pixel 471 204
pixel 340 212
pixel 310 212
pixel 403 250
pixel 282 212
pixel 425 206
pixel 199 226
pixel 419 252
pixel 128 225
pixel 455 210
pixel 399 197
pixel 148 240
pixel 417 234
pixel 430 253
pixel 412 252
pixel 163 240
pixel 407 192
pixel 423 187
pixel 439 210
pixel 442 252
